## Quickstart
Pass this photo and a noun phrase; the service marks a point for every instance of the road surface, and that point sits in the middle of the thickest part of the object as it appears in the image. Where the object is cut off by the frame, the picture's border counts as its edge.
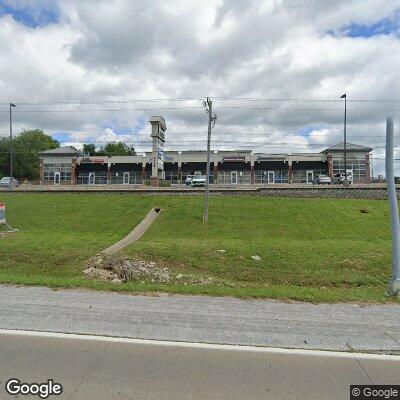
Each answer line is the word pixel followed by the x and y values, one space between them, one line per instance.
pixel 340 327
pixel 105 368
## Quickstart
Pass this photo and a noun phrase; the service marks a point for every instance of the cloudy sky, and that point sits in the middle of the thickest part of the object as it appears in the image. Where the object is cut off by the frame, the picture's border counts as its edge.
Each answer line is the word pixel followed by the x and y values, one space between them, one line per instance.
pixel 94 70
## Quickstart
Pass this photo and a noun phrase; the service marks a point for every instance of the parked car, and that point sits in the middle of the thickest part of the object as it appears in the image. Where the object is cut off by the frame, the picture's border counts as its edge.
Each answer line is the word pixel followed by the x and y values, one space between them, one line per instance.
pixel 322 180
pixel 188 180
pixel 340 178
pixel 199 180
pixel 6 181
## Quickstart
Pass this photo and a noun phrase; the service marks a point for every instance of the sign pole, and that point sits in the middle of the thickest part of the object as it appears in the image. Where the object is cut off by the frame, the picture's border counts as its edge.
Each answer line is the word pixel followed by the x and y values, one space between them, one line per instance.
pixel 394 282
pixel 3 220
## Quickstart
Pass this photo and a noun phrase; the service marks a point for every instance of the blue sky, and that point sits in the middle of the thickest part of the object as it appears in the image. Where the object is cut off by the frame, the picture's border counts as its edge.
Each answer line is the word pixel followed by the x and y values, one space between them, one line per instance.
pixel 305 131
pixel 30 16
pixel 385 26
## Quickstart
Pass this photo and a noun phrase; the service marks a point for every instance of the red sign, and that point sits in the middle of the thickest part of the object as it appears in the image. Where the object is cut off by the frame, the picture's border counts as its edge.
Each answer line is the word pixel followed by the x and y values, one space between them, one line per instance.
pixel 234 158
pixel 87 160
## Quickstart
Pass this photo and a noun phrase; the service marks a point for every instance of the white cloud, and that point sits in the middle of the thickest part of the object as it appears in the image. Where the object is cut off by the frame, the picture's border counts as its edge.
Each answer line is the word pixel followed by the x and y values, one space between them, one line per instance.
pixel 107 50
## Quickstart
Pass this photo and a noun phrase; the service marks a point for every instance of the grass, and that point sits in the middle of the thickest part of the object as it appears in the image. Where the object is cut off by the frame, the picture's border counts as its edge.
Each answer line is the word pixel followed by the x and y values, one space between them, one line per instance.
pixel 318 250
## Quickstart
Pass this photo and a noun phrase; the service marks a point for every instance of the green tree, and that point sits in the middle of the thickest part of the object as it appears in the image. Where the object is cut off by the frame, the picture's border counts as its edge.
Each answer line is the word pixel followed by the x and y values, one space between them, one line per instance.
pixel 89 149
pixel 116 149
pixel 26 146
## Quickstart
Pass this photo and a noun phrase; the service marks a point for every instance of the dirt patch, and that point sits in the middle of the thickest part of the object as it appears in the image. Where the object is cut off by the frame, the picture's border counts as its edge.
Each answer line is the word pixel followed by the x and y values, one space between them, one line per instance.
pixel 9 232
pixel 112 268
pixel 119 268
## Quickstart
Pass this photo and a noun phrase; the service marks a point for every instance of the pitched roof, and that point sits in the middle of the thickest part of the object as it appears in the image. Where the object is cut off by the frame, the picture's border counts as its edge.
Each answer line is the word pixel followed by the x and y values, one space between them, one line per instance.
pixel 63 151
pixel 349 147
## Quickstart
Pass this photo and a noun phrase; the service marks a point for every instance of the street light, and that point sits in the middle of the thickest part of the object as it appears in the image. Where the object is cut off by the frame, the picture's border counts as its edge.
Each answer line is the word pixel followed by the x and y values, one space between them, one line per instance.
pixel 12 105
pixel 344 96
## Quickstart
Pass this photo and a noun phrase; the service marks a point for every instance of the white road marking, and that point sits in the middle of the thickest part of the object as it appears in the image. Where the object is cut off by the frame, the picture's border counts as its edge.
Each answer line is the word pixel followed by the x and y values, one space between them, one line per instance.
pixel 210 346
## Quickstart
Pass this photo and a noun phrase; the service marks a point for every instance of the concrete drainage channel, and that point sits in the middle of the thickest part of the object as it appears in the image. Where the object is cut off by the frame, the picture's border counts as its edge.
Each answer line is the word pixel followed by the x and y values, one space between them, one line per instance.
pixel 114 267
pixel 136 234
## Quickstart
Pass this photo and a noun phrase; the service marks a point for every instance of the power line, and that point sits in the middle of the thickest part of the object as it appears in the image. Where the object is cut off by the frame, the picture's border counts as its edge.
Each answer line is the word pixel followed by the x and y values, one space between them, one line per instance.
pixel 199 98
pixel 105 110
pixel 80 110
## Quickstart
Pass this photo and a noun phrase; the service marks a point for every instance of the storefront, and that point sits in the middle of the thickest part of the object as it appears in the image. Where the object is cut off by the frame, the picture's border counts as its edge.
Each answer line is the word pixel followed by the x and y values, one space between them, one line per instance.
pixel 92 171
pixel 306 171
pixel 270 169
pixel 126 173
pixel 235 168
pixel 66 165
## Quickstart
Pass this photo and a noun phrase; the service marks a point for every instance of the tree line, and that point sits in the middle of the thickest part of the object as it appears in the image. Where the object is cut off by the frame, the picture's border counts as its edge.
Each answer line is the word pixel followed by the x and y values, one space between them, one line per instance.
pixel 29 142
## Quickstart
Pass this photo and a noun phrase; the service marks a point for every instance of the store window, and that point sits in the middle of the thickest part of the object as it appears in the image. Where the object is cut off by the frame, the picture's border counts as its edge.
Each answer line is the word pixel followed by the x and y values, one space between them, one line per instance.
pixel 300 176
pixel 64 170
pixel 92 178
pixel 271 176
pixel 172 176
pixel 126 177
pixel 234 177
pixel 358 165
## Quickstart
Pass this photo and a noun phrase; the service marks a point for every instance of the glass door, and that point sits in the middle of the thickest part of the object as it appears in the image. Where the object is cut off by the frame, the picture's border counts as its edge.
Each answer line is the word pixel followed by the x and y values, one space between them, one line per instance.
pixel 57 178
pixel 92 177
pixel 310 176
pixel 271 177
pixel 234 177
pixel 126 177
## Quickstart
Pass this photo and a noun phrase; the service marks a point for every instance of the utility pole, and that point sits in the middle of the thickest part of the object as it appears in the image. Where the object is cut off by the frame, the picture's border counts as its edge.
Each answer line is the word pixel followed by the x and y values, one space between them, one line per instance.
pixel 211 123
pixel 345 136
pixel 394 282
pixel 11 142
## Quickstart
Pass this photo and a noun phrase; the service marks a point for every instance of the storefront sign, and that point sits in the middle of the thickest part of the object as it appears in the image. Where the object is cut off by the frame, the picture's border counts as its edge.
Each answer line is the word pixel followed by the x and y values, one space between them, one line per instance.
pixel 2 213
pixel 161 133
pixel 88 160
pixel 160 155
pixel 234 158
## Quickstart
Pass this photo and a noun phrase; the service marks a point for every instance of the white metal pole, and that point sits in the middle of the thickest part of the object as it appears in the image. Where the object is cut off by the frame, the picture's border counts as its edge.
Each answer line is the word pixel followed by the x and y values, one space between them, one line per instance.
pixel 11 145
pixel 394 282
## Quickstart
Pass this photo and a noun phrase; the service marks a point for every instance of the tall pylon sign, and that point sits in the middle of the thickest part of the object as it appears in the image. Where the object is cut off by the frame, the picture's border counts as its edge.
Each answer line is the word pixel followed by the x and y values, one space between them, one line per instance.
pixel 158 128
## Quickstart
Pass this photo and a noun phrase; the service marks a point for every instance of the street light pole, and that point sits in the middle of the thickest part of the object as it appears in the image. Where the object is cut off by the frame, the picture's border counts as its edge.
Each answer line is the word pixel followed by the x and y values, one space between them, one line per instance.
pixel 345 136
pixel 12 105
pixel 394 282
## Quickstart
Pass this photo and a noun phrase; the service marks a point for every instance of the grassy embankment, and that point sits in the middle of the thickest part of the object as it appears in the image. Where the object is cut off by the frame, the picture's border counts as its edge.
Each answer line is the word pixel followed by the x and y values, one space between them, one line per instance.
pixel 311 249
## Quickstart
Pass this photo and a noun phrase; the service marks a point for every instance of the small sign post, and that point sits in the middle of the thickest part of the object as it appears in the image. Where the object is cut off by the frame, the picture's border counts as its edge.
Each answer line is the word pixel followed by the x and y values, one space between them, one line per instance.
pixel 2 213
pixel 3 220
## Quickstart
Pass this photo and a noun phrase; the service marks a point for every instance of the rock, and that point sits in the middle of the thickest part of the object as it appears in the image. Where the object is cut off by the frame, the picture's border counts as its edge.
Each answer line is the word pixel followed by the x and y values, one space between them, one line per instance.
pixel 179 276
pixel 256 258
pixel 118 268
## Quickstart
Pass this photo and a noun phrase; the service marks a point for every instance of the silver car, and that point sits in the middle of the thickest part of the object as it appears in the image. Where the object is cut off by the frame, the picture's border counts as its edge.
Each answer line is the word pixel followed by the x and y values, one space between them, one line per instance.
pixel 6 181
pixel 322 180
pixel 340 178
pixel 199 180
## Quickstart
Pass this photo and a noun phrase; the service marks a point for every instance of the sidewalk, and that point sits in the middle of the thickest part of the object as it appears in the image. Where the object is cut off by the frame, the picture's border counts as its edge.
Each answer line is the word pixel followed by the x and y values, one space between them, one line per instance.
pixel 342 327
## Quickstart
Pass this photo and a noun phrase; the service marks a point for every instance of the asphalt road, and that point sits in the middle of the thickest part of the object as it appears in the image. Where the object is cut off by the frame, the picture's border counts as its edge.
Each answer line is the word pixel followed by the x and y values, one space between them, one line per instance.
pixel 120 369
pixel 203 319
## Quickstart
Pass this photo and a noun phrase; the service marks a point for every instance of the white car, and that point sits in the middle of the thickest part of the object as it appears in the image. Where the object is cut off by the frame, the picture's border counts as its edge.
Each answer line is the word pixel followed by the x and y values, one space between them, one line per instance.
pixel 199 180
pixel 188 180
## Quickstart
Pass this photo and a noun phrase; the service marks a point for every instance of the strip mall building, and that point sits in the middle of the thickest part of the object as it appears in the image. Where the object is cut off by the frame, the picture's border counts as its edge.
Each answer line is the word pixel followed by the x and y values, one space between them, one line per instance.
pixel 66 165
